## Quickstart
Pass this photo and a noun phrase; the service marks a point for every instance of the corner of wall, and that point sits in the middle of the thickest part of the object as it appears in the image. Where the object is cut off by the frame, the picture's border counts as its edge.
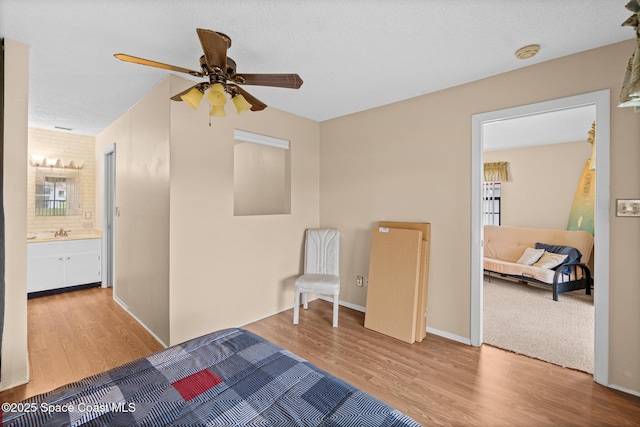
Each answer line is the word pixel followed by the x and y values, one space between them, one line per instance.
pixel 15 365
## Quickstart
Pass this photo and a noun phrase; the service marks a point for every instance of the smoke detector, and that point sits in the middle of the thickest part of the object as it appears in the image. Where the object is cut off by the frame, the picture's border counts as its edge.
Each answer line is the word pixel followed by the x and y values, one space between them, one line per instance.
pixel 528 51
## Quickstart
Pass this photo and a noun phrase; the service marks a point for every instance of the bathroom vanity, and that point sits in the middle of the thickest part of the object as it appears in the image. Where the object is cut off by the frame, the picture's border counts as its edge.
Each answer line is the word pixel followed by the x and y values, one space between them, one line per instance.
pixel 59 263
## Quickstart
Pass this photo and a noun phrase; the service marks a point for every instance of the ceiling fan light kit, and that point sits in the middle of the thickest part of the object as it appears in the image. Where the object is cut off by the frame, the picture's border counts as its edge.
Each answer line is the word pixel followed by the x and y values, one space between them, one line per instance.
pixel 216 95
pixel 241 103
pixel 223 79
pixel 193 97
pixel 218 111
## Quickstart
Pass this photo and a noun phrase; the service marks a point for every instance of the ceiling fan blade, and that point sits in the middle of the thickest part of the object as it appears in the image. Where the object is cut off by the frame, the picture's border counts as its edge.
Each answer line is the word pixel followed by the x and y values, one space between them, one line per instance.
pixel 142 61
pixel 201 86
pixel 215 48
pixel 256 104
pixel 292 81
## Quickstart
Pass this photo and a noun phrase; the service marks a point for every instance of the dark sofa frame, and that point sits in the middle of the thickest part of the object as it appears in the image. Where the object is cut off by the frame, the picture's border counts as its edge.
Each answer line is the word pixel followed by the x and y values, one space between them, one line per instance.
pixel 559 285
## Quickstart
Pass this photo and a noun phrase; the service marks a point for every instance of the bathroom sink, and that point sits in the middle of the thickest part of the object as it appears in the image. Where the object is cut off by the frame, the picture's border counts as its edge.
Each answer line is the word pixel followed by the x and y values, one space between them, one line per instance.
pixel 48 236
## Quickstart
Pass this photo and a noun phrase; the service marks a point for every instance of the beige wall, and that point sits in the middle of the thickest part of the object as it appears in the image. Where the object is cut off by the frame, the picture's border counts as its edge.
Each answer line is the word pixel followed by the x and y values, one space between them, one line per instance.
pixel 228 270
pixel 542 183
pixel 15 368
pixel 141 137
pixel 260 179
pixel 66 146
pixel 411 161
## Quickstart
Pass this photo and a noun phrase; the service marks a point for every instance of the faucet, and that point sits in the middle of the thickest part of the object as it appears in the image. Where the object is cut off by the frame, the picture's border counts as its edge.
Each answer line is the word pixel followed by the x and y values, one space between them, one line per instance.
pixel 61 233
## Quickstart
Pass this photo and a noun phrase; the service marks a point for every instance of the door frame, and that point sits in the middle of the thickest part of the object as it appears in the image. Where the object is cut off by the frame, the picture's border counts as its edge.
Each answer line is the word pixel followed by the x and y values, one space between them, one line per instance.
pixel 108 207
pixel 602 101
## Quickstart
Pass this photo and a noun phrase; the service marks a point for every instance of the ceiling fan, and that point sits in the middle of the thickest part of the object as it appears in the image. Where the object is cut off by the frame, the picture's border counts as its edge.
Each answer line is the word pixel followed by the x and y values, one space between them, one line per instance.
pixel 221 73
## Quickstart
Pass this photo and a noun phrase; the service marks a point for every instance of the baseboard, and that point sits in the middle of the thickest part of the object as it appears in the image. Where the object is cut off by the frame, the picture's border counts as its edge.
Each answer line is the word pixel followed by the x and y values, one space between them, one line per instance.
pixel 48 292
pixel 624 390
pixel 433 331
pixel 449 336
pixel 125 308
pixel 343 303
pixel 16 383
pixel 267 315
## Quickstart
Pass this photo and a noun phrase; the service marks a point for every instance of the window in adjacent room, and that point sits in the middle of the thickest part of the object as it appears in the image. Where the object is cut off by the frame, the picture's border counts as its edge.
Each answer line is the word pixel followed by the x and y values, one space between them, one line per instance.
pixel 491 203
pixel 494 174
pixel 261 175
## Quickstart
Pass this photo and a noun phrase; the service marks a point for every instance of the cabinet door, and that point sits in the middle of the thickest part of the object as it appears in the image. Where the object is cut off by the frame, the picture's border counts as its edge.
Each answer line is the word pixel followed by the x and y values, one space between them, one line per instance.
pixel 82 268
pixel 45 272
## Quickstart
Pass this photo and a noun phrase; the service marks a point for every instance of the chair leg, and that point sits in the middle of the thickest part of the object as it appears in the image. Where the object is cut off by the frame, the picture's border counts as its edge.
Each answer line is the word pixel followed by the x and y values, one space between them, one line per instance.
pixel 296 307
pixel 305 300
pixel 335 311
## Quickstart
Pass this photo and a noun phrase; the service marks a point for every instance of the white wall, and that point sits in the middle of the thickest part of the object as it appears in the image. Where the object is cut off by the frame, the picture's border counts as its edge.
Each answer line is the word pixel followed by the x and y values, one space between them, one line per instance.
pixel 15 366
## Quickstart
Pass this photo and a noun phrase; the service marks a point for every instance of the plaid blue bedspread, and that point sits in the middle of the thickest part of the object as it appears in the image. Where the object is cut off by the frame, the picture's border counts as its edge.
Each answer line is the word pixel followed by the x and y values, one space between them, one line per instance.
pixel 230 377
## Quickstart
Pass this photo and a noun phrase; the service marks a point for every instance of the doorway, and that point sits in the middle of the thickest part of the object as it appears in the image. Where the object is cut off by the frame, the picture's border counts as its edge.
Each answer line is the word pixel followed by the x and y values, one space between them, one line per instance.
pixel 108 236
pixel 601 100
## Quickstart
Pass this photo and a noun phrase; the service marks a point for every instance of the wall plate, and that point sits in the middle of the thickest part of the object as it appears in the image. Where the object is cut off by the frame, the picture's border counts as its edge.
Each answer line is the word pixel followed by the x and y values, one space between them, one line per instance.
pixel 627 207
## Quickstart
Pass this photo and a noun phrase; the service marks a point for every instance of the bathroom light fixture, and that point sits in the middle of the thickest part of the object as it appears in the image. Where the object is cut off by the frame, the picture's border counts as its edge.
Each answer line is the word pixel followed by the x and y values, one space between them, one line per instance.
pixel 41 161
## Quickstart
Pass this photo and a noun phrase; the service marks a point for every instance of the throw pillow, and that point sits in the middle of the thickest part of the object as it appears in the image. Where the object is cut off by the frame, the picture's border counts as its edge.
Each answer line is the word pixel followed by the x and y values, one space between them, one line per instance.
pixel 573 255
pixel 530 256
pixel 550 260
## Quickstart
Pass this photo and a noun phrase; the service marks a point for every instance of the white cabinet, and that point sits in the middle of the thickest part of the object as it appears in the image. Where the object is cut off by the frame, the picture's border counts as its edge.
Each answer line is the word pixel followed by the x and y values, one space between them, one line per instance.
pixel 63 263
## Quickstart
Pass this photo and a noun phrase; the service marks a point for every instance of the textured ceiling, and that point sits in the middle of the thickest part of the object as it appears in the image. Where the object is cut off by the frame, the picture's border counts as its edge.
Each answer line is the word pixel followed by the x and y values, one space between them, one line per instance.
pixel 552 127
pixel 352 55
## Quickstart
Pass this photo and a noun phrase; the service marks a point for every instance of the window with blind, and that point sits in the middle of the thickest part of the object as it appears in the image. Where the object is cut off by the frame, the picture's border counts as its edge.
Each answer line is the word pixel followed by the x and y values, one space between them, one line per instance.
pixel 494 174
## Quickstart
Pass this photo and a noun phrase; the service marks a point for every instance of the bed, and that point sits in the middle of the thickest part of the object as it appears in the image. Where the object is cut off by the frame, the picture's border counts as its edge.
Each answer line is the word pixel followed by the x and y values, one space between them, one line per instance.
pixel 230 377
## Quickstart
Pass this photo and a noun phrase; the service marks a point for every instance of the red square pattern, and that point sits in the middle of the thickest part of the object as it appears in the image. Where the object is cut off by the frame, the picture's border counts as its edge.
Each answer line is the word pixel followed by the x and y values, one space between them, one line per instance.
pixel 196 384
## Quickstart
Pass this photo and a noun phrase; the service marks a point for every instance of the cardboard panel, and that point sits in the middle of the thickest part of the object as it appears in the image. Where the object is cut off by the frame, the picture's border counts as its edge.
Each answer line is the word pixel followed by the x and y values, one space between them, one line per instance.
pixel 423 290
pixel 393 282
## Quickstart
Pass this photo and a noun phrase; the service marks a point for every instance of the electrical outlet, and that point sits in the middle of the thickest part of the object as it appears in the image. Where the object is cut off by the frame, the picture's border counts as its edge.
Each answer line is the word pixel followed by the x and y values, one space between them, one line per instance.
pixel 360 281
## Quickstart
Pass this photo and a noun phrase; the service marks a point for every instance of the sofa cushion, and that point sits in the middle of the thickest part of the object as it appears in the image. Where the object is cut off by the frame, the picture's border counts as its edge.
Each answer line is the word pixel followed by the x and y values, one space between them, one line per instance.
pixel 528 271
pixel 530 256
pixel 573 254
pixel 550 260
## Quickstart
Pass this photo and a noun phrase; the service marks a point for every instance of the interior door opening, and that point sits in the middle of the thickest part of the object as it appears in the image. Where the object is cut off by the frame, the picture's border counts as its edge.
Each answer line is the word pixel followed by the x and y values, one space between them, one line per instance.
pixel 108 229
pixel 601 100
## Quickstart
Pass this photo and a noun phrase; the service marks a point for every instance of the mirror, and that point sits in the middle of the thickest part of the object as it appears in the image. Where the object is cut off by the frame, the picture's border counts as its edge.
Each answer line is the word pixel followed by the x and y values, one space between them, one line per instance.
pixel 58 193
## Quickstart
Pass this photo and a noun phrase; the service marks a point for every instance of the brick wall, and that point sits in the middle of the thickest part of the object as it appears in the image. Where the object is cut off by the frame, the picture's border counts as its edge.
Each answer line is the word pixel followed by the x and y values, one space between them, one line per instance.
pixel 64 146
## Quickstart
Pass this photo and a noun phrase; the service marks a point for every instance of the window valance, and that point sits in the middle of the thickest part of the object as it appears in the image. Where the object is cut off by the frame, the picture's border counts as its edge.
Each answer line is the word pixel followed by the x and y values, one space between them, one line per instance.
pixel 496 172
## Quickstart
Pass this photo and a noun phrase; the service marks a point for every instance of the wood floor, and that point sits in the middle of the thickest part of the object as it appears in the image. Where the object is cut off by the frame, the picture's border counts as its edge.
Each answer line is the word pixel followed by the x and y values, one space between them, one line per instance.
pixel 442 382
pixel 437 381
pixel 77 334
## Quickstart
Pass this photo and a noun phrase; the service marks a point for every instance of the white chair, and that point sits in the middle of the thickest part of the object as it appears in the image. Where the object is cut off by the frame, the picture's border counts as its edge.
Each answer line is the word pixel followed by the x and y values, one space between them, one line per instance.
pixel 321 273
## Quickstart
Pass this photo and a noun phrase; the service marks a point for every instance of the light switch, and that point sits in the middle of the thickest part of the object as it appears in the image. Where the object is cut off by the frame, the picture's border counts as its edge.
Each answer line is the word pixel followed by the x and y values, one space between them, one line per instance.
pixel 628 207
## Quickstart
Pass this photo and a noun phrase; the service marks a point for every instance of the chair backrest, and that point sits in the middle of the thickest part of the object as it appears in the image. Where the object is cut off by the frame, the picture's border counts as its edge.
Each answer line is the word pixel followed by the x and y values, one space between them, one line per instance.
pixel 322 251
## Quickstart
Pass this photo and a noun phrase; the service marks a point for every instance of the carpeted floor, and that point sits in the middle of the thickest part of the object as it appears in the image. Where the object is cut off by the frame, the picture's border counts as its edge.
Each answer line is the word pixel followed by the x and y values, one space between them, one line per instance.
pixel 525 319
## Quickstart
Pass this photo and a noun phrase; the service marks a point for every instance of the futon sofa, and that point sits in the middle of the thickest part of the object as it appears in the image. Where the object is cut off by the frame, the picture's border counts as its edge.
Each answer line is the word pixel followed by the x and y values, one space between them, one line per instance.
pixel 531 255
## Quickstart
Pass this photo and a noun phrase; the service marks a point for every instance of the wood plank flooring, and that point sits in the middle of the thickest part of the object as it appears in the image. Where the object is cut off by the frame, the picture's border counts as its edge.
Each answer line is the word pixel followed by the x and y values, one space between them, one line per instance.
pixel 438 381
pixel 76 334
pixel 443 382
